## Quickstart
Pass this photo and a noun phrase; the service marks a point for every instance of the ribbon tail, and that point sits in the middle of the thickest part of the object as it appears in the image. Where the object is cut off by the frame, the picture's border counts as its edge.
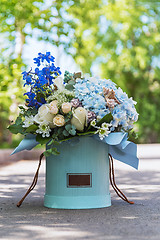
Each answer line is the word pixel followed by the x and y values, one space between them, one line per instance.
pixel 27 143
pixel 126 155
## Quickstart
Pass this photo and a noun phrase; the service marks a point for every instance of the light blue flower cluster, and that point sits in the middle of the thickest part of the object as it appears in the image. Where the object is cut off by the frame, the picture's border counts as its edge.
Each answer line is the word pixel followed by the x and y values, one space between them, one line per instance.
pixel 124 114
pixel 90 93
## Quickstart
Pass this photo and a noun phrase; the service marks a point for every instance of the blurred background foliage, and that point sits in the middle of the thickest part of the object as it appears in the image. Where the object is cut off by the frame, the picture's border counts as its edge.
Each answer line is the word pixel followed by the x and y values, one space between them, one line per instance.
pixel 116 39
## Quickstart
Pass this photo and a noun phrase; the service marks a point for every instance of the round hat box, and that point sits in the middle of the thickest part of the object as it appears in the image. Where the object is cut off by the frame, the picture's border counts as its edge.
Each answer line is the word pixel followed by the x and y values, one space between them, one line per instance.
pixel 78 178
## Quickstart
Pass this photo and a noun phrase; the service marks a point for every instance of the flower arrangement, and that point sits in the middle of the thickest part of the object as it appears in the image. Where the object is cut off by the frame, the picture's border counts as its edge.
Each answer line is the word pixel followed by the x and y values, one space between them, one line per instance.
pixel 58 109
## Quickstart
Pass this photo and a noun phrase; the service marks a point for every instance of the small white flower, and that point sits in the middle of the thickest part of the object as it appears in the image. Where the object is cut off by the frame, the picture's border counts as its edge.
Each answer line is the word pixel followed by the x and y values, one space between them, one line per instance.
pixel 44 130
pixel 106 125
pixel 102 133
pixel 28 121
pixel 93 123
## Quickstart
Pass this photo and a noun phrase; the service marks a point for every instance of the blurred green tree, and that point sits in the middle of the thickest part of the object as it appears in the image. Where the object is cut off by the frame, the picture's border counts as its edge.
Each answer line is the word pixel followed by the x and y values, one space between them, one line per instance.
pixel 20 20
pixel 122 37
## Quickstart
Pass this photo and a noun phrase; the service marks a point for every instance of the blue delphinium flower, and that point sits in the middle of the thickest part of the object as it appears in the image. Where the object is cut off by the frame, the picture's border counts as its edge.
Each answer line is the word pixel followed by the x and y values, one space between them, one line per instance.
pixel 31 101
pixel 41 57
pixel 41 78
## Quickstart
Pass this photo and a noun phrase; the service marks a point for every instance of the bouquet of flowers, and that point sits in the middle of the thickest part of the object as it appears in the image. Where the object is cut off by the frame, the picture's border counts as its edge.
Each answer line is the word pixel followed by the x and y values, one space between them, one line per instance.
pixel 58 109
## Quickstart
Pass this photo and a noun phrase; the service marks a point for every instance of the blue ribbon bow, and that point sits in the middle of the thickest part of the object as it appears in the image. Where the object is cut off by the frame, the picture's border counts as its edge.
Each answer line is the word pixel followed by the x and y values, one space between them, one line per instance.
pixel 119 147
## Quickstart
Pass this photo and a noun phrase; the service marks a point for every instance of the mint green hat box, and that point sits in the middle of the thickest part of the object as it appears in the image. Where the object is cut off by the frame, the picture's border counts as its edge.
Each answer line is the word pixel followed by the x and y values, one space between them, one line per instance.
pixel 78 178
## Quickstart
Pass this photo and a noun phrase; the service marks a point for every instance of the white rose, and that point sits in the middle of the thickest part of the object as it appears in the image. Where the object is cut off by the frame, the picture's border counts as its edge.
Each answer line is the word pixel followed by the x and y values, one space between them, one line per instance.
pixel 59 83
pixel 37 119
pixel 79 118
pixel 48 118
pixel 43 110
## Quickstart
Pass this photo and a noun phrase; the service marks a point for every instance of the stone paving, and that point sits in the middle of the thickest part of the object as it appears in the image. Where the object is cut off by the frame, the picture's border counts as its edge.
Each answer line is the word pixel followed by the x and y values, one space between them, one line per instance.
pixel 32 220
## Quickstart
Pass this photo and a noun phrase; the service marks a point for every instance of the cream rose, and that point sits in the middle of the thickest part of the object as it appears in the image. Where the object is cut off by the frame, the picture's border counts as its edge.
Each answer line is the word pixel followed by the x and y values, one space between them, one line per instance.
pixel 66 107
pixel 53 103
pixel 53 109
pixel 58 120
pixel 79 118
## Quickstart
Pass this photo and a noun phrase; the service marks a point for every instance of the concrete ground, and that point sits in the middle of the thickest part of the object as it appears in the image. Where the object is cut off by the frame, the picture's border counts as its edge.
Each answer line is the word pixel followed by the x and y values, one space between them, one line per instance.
pixel 32 220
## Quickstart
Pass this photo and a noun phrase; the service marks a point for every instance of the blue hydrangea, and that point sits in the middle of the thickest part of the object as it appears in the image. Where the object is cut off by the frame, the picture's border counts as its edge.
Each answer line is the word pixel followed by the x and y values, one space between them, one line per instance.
pixel 89 91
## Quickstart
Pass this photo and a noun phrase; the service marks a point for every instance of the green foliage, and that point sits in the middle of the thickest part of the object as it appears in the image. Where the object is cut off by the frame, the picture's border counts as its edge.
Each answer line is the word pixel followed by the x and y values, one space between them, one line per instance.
pixel 122 38
pixel 16 128
pixel 32 128
pixel 42 140
pixel 69 130
pixel 107 118
pixel 51 151
pixel 70 80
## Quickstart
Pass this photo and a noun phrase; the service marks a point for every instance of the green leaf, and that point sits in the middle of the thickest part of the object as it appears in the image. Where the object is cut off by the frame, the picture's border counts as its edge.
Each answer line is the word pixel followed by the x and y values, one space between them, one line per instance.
pixel 72 132
pixel 42 140
pixel 65 133
pixel 51 151
pixel 16 129
pixel 21 107
pixel 107 118
pixel 51 142
pixel 31 128
pixel 55 151
pixel 60 131
pixel 18 121
pixel 48 153
pixel 71 82
pixel 68 127
pixel 69 87
pixel 68 117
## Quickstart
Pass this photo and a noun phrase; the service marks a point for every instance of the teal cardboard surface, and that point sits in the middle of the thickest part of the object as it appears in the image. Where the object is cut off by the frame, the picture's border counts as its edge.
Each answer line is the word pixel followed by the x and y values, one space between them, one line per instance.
pixel 88 156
